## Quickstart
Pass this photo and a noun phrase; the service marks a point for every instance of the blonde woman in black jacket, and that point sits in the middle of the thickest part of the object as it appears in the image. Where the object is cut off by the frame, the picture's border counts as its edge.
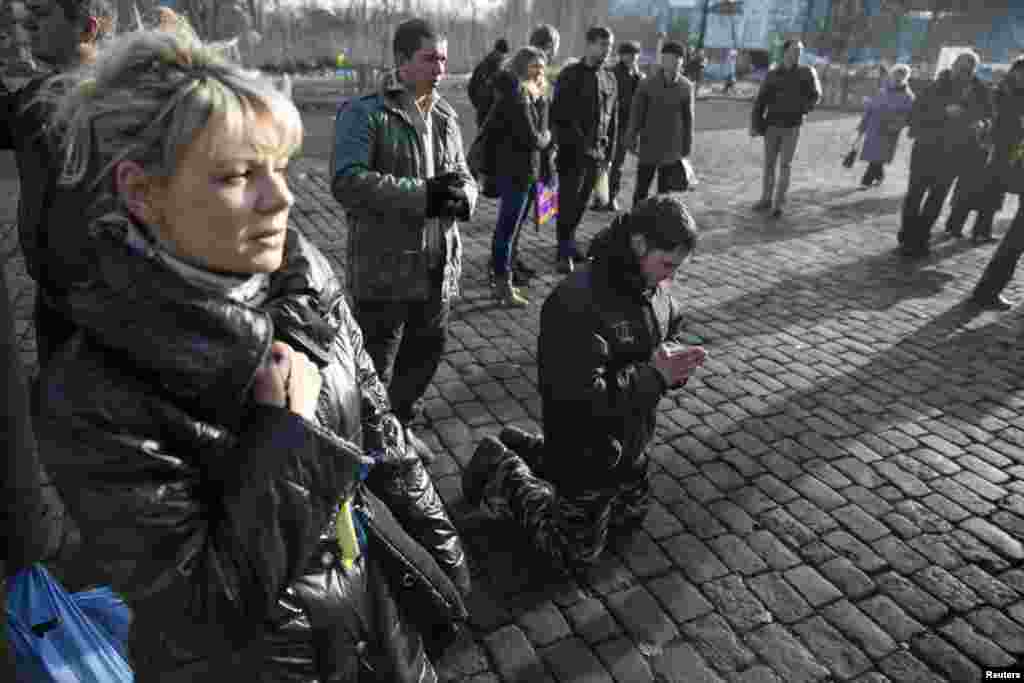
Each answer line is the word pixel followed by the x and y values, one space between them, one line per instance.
pixel 216 428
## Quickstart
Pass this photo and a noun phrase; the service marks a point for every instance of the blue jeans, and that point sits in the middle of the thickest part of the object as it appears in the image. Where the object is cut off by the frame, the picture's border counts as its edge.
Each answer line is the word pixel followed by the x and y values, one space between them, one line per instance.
pixel 515 200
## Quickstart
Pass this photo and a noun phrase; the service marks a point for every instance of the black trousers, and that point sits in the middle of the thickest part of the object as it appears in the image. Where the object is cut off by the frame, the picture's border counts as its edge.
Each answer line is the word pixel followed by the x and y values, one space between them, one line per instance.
pixel 615 172
pixel 406 340
pixel 999 270
pixel 671 178
pixel 931 178
pixel 53 328
pixel 577 174
pixel 874 171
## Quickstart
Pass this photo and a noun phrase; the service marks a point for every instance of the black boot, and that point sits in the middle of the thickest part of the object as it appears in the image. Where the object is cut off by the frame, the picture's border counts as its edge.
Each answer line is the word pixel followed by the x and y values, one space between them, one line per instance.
pixel 528 446
pixel 488 455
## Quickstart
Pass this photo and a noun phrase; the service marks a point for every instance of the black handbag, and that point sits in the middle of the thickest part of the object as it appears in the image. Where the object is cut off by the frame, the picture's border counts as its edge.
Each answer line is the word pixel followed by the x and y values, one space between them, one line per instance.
pixel 851 158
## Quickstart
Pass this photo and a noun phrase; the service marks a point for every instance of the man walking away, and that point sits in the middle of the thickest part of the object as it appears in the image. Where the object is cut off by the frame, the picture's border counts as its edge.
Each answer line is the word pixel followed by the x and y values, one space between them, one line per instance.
pixel 946 123
pixel 661 126
pixel 627 79
pixel 584 114
pixel 788 93
pixel 481 83
pixel 401 174
pixel 609 349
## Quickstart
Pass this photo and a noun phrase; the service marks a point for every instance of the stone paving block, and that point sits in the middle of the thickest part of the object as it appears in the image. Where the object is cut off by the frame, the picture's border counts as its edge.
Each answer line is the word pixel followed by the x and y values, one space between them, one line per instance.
pixel 820 493
pixel 813 586
pixel 859 628
pixel 1005 632
pixel 831 648
pixel 992 590
pixel 674 463
pixel 891 617
pixel 697 518
pixel 752 500
pixel 513 656
pixel 983 469
pixel 861 524
pixel 787 528
pixel 781 599
pixel 696 560
pixel 907 483
pixel 981 486
pixel 624 661
pixel 900 556
pixel 680 663
pixel 851 581
pixel 963 496
pixel 946 508
pixel 972 549
pixel 572 661
pixel 976 646
pixel 660 523
pixel 995 537
pixel 780 461
pixel 755 674
pixel 772 550
pixel 463 659
pixel 736 603
pixel 590 620
pixel 918 603
pixel 936 651
pixel 642 555
pixel 732 516
pixel 901 526
pixel 786 654
pixel 737 555
pixel 702 489
pixel 947 588
pixel 544 625
pixel 718 643
pixel 679 597
pixel 852 549
pixel 903 667
pixel 641 616
pixel 811 516
pixel 936 461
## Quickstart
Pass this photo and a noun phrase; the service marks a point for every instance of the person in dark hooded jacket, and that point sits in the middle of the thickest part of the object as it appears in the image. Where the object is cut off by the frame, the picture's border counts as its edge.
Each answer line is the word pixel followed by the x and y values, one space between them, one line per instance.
pixel 610 346
pixel 948 122
pixel 215 425
pixel 64 34
pixel 1006 175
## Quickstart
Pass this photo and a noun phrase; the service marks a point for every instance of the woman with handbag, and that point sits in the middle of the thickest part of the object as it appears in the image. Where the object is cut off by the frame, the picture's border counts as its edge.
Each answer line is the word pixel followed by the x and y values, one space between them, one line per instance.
pixel 216 427
pixel 884 117
pixel 521 138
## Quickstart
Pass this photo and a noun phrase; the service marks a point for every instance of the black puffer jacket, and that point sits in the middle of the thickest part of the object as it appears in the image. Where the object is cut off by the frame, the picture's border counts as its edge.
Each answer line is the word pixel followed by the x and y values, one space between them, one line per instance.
pixel 600 393
pixel 519 121
pixel 212 515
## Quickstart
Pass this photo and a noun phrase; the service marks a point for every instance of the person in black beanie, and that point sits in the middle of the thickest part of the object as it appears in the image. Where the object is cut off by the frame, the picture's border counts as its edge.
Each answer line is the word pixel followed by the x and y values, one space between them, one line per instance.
pixel 627 78
pixel 584 118
pixel 481 83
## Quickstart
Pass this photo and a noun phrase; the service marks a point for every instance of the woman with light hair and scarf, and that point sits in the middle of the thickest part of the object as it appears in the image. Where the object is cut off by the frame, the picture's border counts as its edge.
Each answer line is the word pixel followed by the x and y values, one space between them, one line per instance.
pixel 215 426
pixel 886 114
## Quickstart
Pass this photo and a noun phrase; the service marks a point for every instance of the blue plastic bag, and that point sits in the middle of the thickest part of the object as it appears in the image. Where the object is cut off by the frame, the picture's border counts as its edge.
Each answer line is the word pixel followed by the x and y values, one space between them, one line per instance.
pixel 59 637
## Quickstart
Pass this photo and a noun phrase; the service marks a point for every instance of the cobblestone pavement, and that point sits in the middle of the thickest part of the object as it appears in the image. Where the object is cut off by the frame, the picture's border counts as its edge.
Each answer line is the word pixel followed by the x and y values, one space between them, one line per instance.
pixel 840 492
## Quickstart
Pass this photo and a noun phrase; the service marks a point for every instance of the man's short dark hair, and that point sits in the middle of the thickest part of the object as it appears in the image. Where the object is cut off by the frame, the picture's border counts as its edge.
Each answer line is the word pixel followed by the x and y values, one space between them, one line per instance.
pixel 410 36
pixel 1017 64
pixel 596 33
pixel 80 9
pixel 544 36
pixel 673 47
pixel 665 222
pixel 786 44
pixel 629 47
pixel 501 46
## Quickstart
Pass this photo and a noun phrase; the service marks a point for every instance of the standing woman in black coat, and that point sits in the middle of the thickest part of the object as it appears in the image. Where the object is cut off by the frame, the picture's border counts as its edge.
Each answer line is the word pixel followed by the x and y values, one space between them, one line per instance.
pixel 520 127
pixel 215 426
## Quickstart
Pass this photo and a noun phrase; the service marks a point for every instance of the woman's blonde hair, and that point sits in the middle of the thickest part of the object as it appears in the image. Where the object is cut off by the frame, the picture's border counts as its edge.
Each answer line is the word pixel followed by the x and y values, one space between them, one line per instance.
pixel 899 73
pixel 521 61
pixel 150 93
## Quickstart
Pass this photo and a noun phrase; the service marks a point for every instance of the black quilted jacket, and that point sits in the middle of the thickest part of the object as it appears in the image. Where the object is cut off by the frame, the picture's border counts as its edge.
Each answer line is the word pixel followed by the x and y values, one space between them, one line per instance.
pixel 213 516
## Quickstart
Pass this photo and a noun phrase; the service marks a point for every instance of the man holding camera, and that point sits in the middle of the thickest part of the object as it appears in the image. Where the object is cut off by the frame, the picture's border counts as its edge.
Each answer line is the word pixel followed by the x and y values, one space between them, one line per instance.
pixel 401 174
pixel 611 345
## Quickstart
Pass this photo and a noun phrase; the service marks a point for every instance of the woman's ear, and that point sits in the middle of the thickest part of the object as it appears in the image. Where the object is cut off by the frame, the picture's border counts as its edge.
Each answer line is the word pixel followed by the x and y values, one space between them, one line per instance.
pixel 135 188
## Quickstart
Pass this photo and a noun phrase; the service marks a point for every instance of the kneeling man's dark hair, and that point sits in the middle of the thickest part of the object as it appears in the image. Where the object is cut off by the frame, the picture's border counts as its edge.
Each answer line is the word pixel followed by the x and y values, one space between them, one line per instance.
pixel 665 222
pixel 596 33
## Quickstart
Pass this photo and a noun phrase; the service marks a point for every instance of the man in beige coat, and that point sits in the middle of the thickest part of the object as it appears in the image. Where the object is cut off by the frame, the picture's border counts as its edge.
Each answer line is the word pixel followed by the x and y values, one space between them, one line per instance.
pixel 661 125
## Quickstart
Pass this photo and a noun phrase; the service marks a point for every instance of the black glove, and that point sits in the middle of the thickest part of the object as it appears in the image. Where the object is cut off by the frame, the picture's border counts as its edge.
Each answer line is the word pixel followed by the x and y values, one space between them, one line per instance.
pixel 443 192
pixel 456 208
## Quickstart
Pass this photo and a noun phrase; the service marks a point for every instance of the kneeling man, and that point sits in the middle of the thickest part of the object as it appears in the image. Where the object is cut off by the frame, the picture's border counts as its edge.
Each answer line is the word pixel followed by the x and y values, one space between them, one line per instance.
pixel 610 346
